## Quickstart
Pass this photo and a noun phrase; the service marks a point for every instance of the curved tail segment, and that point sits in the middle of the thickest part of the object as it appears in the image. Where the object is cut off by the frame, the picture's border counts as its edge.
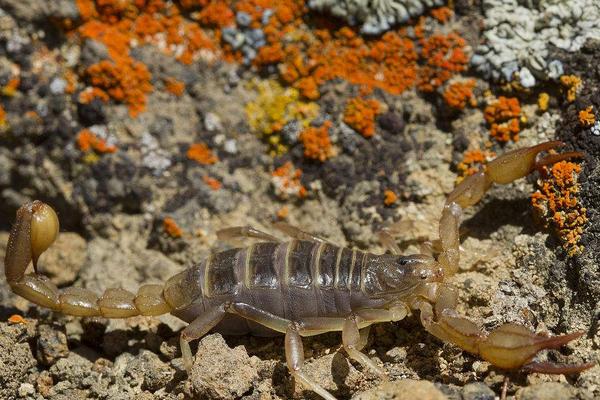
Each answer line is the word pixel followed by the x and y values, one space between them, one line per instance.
pixel 34 231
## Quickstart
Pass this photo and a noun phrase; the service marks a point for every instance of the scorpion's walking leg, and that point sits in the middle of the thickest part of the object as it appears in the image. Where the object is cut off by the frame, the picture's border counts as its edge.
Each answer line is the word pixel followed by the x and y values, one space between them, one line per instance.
pixel 294 351
pixel 509 346
pixel 198 328
pixel 355 332
pixel 297 233
pixel 247 231
pixel 294 356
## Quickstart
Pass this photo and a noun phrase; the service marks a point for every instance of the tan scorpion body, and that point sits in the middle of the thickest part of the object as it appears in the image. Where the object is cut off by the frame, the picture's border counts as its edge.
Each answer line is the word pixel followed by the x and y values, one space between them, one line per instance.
pixel 305 286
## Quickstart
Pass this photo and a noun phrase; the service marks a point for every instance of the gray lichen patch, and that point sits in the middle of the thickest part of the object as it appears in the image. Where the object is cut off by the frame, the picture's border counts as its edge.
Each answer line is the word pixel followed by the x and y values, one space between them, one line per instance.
pixel 376 16
pixel 518 37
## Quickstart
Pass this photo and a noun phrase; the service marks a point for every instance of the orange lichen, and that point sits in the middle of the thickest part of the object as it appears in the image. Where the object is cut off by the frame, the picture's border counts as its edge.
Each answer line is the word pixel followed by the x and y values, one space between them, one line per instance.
pixel 89 94
pixel 360 115
pixel 283 212
pixel 88 141
pixel 3 121
pixel 587 116
pixel 389 197
pixel 503 116
pixel 444 56
pixel 286 182
pixel 459 94
pixel 122 24
pixel 442 14
pixel 572 84
pixel 171 228
pixel 125 81
pixel 174 86
pixel 212 182
pixel 473 161
pixel 316 142
pixel 11 87
pixel 17 319
pixel 216 14
pixel 389 63
pixel 556 203
pixel 202 154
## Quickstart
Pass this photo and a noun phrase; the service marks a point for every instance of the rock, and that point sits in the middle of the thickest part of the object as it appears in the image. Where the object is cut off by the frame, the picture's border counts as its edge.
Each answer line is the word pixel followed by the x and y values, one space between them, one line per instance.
pixel 63 260
pixel 15 359
pixel 51 345
pixel 407 389
pixel 38 10
pixel 220 372
pixel 73 368
pixel 546 391
pixel 478 391
pixel 149 371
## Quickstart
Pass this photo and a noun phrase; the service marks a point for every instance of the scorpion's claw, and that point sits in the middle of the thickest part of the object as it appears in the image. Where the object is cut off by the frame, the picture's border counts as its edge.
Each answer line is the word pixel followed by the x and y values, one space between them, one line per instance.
pixel 555 369
pixel 512 346
pixel 509 346
pixel 34 231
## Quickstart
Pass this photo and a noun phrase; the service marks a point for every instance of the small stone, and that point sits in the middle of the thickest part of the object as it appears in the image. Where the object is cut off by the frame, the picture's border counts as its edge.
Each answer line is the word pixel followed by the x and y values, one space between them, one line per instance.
pixel 212 122
pixel 478 391
pixel 406 389
pixel 230 146
pixel 391 122
pixel 58 86
pixel 26 389
pixel 51 345
pixel 546 391
pixel 220 372
pixel 243 19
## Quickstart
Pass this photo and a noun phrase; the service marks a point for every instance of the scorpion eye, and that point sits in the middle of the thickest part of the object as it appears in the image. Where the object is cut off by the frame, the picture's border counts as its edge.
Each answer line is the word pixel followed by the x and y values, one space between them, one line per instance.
pixel 424 274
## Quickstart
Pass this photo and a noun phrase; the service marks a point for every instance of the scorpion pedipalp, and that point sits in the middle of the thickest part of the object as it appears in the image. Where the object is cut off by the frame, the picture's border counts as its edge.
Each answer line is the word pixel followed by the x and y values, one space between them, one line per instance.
pixel 509 346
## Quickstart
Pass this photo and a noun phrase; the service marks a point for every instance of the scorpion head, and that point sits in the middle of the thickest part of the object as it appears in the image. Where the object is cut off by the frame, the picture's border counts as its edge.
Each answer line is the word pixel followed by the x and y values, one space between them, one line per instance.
pixel 388 275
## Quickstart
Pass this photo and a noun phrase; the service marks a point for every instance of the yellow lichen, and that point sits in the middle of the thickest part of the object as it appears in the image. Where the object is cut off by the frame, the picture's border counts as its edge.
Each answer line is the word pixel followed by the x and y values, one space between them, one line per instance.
pixel 543 101
pixel 572 84
pixel 274 107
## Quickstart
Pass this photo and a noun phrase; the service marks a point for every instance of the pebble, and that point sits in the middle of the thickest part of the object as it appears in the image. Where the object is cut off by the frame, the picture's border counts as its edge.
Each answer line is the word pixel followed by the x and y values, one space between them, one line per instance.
pixel 406 389
pixel 220 372
pixel 477 391
pixel 26 389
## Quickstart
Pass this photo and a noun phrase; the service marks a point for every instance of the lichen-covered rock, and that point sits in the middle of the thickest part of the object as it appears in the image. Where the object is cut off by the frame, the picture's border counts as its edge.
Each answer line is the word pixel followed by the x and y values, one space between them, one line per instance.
pixel 220 372
pixel 375 17
pixel 518 37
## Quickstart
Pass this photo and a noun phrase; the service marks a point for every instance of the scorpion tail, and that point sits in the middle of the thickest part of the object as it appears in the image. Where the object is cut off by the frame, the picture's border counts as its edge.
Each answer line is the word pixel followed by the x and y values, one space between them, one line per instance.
pixel 35 229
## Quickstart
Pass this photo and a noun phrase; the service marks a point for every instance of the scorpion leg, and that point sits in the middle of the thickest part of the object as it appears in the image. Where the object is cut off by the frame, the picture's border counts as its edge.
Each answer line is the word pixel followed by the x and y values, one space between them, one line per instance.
pixel 294 355
pixel 198 328
pixel 297 233
pixel 294 351
pixel 247 231
pixel 502 170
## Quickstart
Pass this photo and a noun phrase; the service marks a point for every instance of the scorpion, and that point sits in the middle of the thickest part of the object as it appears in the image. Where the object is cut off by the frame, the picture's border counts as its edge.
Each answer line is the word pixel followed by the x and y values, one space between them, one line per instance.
pixel 307 285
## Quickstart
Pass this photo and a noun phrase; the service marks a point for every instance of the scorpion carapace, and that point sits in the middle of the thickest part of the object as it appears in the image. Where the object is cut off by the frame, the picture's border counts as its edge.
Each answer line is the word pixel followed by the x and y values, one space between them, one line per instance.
pixel 305 286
